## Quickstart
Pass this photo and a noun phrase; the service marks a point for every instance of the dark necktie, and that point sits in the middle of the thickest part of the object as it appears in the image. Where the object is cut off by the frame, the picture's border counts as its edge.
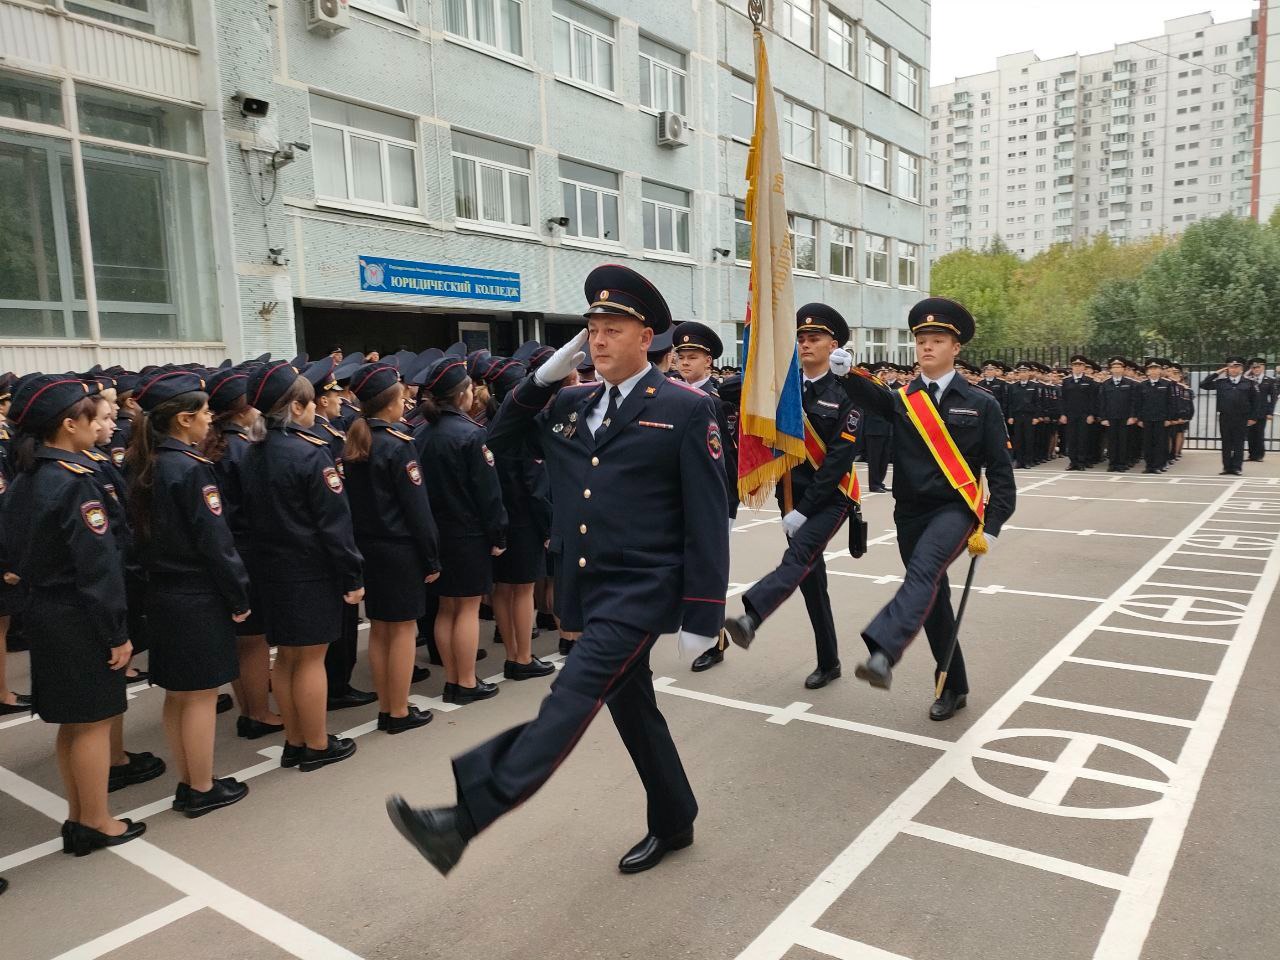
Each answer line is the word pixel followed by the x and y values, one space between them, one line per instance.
pixel 933 393
pixel 808 389
pixel 610 411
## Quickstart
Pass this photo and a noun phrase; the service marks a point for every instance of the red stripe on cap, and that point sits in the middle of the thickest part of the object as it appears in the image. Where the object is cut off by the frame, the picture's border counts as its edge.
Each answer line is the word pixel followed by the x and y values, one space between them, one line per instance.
pixel 48 386
pixel 447 367
pixel 368 376
pixel 270 370
pixel 154 380
pixel 222 383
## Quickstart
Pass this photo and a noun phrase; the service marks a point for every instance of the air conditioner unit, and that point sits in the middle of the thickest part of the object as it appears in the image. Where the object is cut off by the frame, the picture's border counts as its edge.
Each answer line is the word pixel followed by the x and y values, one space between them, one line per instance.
pixel 328 16
pixel 673 130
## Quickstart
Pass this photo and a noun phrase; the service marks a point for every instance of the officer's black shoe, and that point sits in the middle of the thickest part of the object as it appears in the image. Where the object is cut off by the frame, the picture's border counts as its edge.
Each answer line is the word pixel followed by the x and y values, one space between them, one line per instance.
pixel 434 832
pixel 707 659
pixel 481 653
pixel 414 719
pixel 420 674
pixel 140 768
pixel 879 488
pixel 820 677
pixel 877 671
pixel 536 634
pixel 351 697
pixel 181 797
pixel 292 754
pixel 433 658
pixel 84 840
pixel 463 695
pixel 251 729
pixel 339 749
pixel 648 853
pixel 527 671
pixel 497 635
pixel 225 702
pixel 741 630
pixel 22 705
pixel 4 884
pixel 945 707
pixel 566 646
pixel 140 676
pixel 224 792
pixel 546 621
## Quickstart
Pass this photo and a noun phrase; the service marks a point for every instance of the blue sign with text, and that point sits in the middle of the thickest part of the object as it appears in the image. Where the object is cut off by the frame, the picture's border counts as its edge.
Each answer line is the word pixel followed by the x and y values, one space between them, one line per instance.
pixel 438 280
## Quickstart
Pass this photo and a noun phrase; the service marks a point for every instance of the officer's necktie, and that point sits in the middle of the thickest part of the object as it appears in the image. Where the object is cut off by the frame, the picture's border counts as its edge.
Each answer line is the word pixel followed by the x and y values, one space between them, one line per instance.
pixel 610 412
pixel 807 391
pixel 933 392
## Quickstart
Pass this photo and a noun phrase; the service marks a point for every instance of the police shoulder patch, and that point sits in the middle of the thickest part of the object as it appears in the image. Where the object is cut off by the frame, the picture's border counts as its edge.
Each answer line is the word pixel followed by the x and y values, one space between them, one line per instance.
pixel 488 454
pixel 400 434
pixel 212 499
pixel 77 468
pixel 94 516
pixel 117 456
pixel 332 480
pixel 415 474
pixel 3 484
pixel 714 444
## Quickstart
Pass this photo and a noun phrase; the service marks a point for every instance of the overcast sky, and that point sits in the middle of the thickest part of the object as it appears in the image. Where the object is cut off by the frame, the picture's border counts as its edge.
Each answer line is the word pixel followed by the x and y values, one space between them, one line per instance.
pixel 968 35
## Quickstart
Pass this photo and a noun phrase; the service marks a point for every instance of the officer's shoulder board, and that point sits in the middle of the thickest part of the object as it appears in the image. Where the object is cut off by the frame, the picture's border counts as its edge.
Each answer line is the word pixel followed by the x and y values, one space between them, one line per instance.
pixel 310 438
pixel 195 456
pixel 400 434
pixel 77 468
pixel 334 431
pixel 684 386
pixel 96 456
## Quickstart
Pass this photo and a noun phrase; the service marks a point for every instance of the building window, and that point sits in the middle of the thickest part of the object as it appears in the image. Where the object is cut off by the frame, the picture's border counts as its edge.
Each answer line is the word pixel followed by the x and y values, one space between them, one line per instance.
pixel 804 242
pixel 840 147
pixel 797 131
pixel 908 265
pixel 491 182
pixel 662 77
pixel 908 176
pixel 491 23
pixel 875 63
pixel 741 232
pixel 843 253
pixel 907 89
pixel 591 201
pixel 875 163
pixel 743 118
pixel 364 156
pixel 666 218
pixel 583 44
pixel 397 8
pixel 876 265
pixel 170 19
pixel 795 22
pixel 841 49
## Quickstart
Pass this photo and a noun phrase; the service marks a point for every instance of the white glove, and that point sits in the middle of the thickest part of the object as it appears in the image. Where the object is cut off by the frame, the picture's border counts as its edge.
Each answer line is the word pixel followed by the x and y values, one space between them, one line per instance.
pixel 731 523
pixel 991 542
pixel 563 362
pixel 693 645
pixel 792 523
pixel 841 361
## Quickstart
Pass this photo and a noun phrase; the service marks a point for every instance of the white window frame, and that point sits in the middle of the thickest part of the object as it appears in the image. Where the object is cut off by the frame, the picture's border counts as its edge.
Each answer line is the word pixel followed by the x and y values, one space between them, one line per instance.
pixel 909 256
pixel 869 43
pixel 842 149
pixel 601 193
pixel 790 123
pixel 507 170
pixel 575 29
pixel 677 213
pixel 736 98
pixel 906 175
pixel 658 66
pixel 842 43
pixel 906 88
pixel 789 12
pixel 868 142
pixel 844 239
pixel 379 8
pixel 384 141
pixel 875 250
pixel 472 34
pixel 812 244
pixel 741 225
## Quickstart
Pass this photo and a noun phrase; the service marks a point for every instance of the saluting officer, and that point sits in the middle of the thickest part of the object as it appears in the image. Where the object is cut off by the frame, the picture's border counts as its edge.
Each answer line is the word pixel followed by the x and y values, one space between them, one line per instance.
pixel 620 455
pixel 820 505
pixel 1240 406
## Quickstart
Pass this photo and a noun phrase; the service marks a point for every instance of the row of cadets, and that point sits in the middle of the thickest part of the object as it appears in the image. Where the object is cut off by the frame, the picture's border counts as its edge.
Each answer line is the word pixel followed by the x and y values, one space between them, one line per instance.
pixel 1269 388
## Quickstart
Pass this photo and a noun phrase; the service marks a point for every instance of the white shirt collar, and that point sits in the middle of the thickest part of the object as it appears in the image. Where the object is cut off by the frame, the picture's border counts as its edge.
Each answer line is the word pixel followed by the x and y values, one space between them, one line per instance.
pixel 943 381
pixel 1235 379
pixel 701 383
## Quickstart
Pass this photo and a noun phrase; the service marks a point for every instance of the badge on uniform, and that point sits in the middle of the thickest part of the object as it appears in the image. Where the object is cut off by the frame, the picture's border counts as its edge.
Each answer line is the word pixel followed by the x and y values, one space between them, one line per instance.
pixel 117 456
pixel 332 480
pixel 95 517
pixel 488 454
pixel 212 499
pixel 650 391
pixel 714 446
pixel 414 473
pixel 109 487
pixel 3 485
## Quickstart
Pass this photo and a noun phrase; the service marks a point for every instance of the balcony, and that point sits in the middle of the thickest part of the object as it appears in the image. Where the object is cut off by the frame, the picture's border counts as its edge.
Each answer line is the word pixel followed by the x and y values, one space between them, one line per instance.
pixel 1067 102
pixel 1065 134
pixel 1064 201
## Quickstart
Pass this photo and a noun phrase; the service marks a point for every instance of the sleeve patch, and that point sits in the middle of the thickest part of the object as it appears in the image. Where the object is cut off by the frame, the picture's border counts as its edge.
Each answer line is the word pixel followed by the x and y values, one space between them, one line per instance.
pixel 117 456
pixel 95 516
pixel 332 480
pixel 415 474
pixel 714 445
pixel 212 499
pixel 853 422
pixel 488 454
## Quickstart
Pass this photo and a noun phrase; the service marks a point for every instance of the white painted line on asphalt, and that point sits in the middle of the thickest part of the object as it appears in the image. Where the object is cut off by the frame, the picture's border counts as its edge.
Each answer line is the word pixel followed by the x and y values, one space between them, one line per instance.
pixel 123 936
pixel 1110 711
pixel 1225 573
pixel 1139 668
pixel 1087 533
pixel 1195 586
pixel 1085 773
pixel 1027 858
pixel 1134 631
pixel 990 589
pixel 30 854
pixel 1064 771
pixel 1059 496
pixel 842 948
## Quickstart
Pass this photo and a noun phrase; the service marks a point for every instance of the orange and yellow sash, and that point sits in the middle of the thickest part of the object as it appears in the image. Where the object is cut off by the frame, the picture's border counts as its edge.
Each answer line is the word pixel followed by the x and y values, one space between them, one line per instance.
pixel 816 452
pixel 925 418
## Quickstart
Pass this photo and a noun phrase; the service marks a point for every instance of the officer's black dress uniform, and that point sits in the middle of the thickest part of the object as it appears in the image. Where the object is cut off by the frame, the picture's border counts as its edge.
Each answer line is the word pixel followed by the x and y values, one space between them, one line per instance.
pixel 527 499
pixel 1238 403
pixel 1115 406
pixel 1153 405
pixel 1024 407
pixel 877 437
pixel 1269 388
pixel 1079 403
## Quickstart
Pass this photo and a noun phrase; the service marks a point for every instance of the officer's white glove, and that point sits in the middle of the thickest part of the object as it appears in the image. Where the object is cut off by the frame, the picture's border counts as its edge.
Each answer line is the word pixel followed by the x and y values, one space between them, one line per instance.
pixel 693 645
pixel 841 362
pixel 792 522
pixel 563 362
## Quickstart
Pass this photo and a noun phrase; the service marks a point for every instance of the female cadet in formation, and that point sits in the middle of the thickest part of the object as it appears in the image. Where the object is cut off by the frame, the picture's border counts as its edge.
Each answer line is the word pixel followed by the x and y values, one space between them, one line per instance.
pixel 236 425
pixel 10 702
pixel 396 535
pixel 466 500
pixel 59 544
pixel 306 562
pixel 197 588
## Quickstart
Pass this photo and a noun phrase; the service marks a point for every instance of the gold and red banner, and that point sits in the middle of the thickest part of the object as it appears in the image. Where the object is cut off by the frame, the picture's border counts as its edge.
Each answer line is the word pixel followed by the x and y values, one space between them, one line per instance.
pixel 816 453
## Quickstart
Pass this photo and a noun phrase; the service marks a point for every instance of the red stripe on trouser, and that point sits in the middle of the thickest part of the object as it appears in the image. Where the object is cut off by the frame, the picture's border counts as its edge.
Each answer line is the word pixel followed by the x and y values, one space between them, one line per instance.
pixel 582 728
pixel 937 581
pixel 809 566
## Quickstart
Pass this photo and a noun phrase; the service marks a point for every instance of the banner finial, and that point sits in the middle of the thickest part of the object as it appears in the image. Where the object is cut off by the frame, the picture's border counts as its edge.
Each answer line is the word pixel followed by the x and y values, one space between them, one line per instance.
pixel 755 10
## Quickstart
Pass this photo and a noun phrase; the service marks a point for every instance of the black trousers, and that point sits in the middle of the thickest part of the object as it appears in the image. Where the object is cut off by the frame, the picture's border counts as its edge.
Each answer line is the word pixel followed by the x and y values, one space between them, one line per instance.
pixel 877 449
pixel 1077 441
pixel 1233 430
pixel 1257 436
pixel 609 665
pixel 928 544
pixel 1024 440
pixel 340 658
pixel 1155 444
pixel 804 566
pixel 1118 444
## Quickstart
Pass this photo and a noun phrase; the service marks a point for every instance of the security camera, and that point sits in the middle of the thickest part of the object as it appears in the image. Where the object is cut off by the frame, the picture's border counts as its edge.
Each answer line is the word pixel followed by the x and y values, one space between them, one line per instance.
pixel 299 145
pixel 722 251
pixel 557 221
pixel 276 256
pixel 250 106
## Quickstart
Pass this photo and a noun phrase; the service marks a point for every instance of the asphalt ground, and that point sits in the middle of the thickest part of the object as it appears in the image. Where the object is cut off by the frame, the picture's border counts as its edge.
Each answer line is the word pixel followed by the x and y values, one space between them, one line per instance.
pixel 1109 792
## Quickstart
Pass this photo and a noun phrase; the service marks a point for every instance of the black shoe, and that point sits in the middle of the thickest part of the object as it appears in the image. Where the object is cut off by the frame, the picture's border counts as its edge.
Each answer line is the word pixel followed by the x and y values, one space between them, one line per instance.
pixel 433 658
pixel 546 621
pixel 84 840
pixel 536 634
pixel 1237 473
pixel 433 832
pixel 224 792
pixel 945 707
pixel 877 671
pixel 251 729
pixel 741 630
pixel 527 671
pixel 463 695
pixel 23 704
pixel 648 853
pixel 351 697
pixel 481 653
pixel 1149 471
pixel 411 721
pixel 292 755
pixel 1255 459
pixel 879 488
pixel 66 836
pixel 566 646
pixel 339 749
pixel 820 677
pixel 140 677
pixel 420 674
pixel 707 659
pixel 225 702
pixel 497 635
pixel 4 884
pixel 140 768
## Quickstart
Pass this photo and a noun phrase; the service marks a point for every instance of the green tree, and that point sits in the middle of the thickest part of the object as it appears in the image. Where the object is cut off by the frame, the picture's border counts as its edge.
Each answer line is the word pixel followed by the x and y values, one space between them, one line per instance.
pixel 983 282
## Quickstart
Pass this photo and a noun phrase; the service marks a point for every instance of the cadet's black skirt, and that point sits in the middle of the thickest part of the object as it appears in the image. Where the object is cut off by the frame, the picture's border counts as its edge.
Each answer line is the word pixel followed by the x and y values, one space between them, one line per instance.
pixel 192 639
pixel 70 679
pixel 393 575
pixel 10 600
pixel 465 567
pixel 302 613
pixel 523 561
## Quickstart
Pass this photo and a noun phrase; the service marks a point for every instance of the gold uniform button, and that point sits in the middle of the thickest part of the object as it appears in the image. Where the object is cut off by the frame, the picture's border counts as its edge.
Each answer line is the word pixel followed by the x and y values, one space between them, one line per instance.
pixel 595 461
pixel 582 561
pixel 583 528
pixel 586 494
